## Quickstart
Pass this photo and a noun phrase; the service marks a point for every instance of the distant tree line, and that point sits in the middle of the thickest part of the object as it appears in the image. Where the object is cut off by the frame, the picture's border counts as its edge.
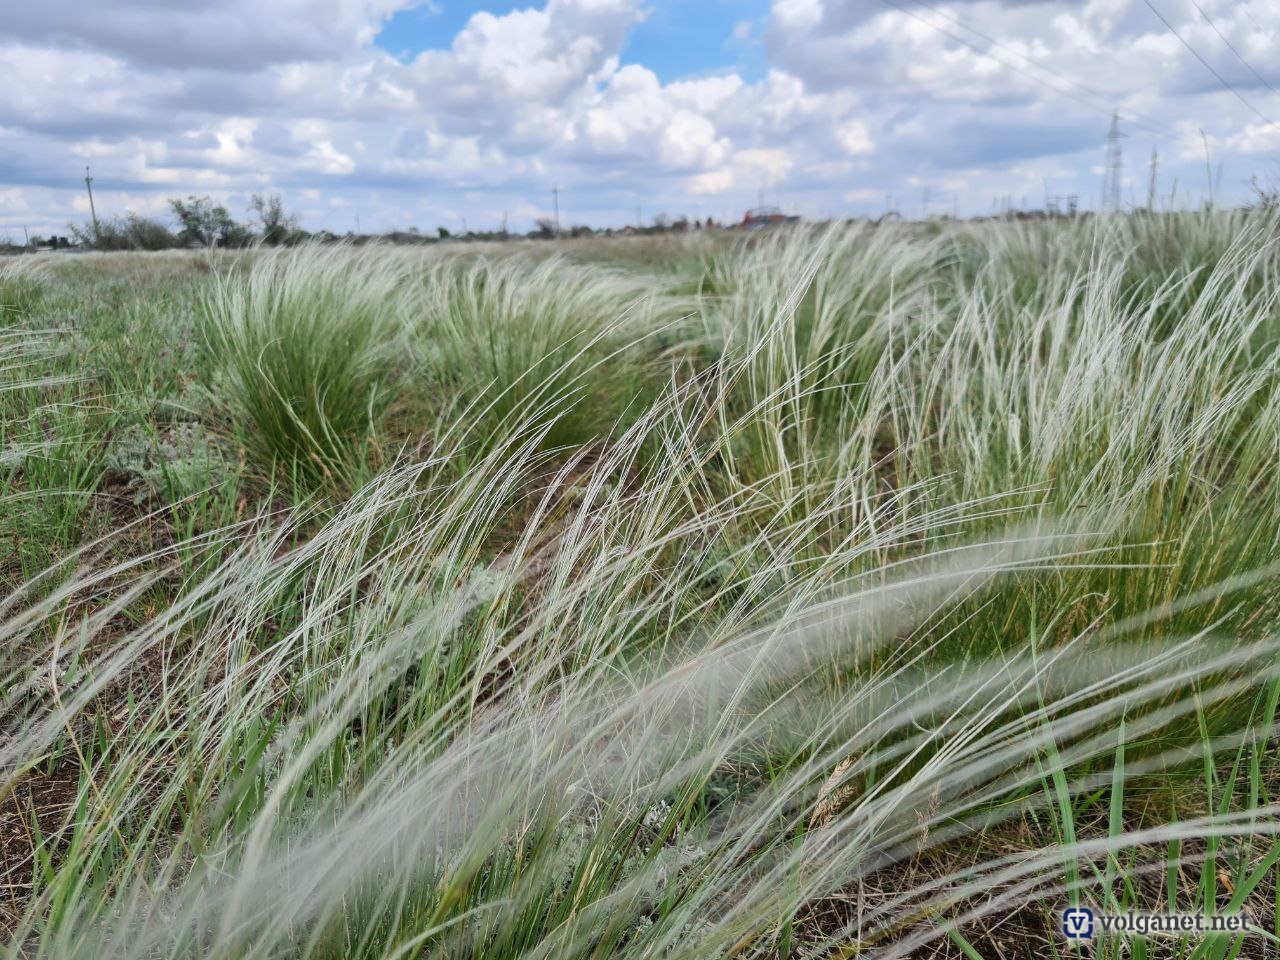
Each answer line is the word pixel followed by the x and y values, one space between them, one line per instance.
pixel 197 222
pixel 202 222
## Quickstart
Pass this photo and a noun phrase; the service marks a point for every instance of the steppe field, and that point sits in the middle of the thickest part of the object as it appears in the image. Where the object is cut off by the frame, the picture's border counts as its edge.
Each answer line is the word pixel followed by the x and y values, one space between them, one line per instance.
pixel 834 591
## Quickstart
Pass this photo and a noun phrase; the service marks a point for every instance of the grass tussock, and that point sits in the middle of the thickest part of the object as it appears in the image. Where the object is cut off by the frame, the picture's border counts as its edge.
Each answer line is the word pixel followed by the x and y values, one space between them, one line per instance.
pixel 844 591
pixel 308 342
pixel 518 341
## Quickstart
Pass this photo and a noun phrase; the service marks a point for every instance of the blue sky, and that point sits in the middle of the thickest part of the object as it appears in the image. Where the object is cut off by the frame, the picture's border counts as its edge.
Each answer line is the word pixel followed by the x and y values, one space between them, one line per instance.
pixel 679 40
pixel 433 26
pixel 404 113
pixel 676 39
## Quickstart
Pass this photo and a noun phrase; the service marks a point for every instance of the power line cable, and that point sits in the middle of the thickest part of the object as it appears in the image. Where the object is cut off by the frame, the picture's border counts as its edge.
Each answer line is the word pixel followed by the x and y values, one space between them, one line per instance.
pixel 1230 46
pixel 1136 119
pixel 1207 65
pixel 1015 68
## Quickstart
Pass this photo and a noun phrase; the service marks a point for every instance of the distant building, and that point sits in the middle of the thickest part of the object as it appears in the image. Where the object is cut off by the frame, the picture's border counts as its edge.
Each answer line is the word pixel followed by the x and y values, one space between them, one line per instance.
pixel 762 217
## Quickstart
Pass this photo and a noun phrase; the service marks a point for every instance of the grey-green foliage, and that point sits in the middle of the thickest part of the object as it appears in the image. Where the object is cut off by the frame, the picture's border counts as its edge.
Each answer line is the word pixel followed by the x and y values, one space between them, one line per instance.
pixel 174 461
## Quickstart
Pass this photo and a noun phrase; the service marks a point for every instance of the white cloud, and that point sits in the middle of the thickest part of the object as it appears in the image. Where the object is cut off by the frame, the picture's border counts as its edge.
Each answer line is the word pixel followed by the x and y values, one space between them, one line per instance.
pixel 321 155
pixel 634 118
pixel 748 170
pixel 798 14
pixel 225 35
pixel 856 100
pixel 855 138
pixel 714 182
pixel 14 200
pixel 234 136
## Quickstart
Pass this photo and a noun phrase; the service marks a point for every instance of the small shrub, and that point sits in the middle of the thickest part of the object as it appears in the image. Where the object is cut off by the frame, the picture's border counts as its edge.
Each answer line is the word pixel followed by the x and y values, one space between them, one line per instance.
pixel 178 462
pixel 130 232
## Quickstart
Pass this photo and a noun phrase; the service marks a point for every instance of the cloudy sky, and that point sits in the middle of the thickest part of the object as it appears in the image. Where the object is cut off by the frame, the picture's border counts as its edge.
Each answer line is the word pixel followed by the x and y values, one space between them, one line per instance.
pixel 398 113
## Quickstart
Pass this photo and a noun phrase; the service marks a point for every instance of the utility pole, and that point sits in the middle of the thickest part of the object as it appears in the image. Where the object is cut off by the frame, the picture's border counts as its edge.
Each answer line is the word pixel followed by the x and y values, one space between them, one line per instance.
pixel 1115 167
pixel 1072 200
pixel 93 211
pixel 555 197
pixel 1208 169
pixel 1151 185
pixel 504 223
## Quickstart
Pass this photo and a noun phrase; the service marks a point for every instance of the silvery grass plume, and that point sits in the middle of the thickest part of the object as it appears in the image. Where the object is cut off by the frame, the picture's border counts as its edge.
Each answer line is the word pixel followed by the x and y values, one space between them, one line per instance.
pixel 810 327
pixel 589 766
pixel 23 359
pixel 758 675
pixel 21 280
pixel 562 766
